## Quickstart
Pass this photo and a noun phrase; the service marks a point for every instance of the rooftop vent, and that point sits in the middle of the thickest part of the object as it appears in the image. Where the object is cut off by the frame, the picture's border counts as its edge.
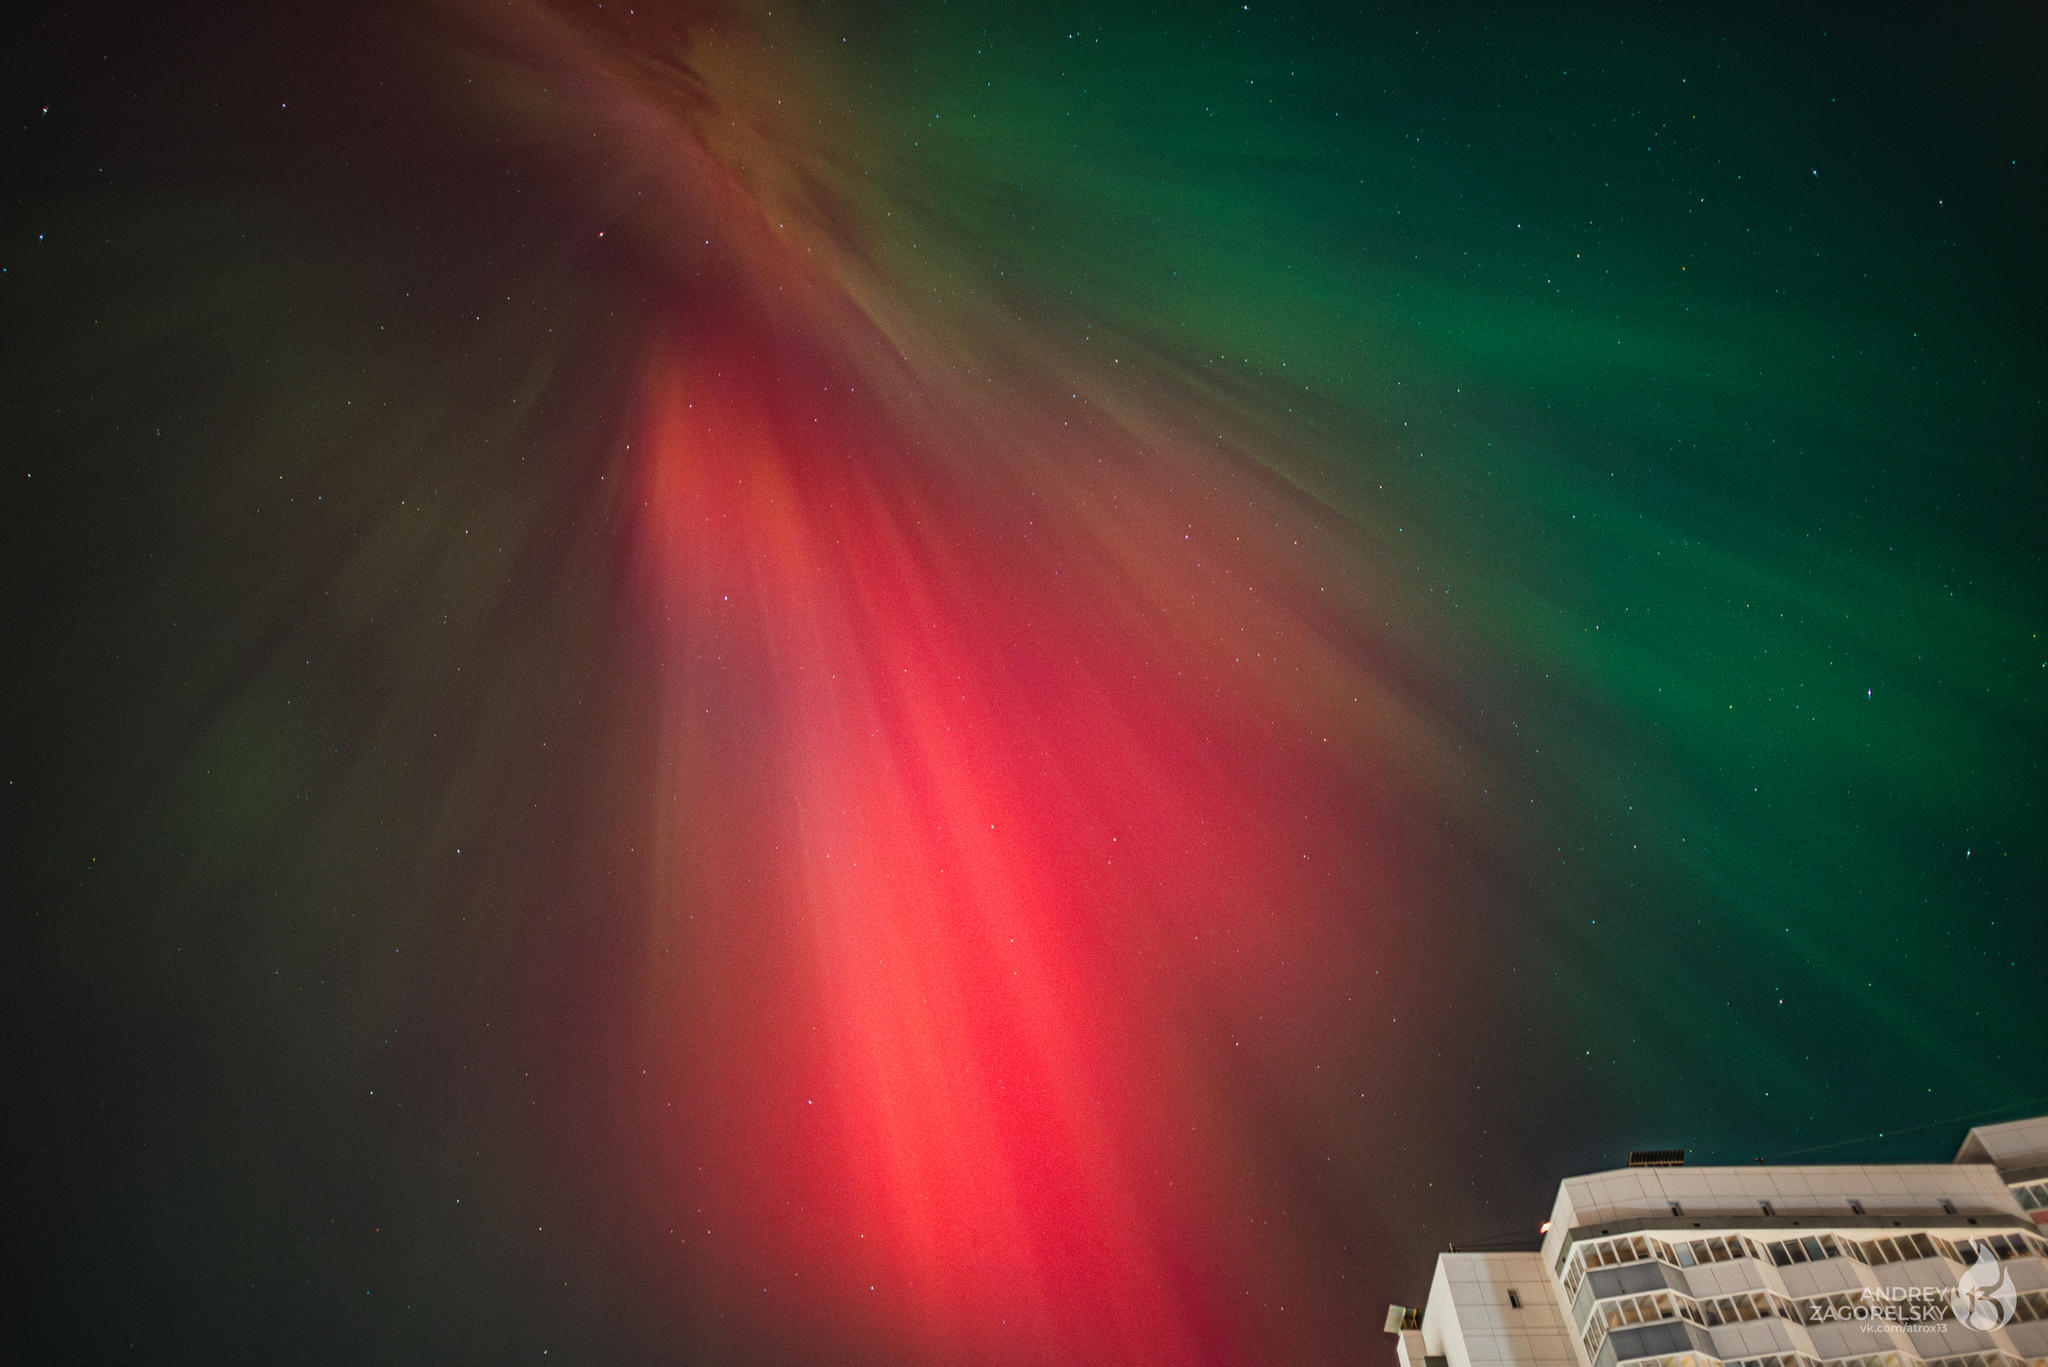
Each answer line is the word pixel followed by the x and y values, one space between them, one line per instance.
pixel 1656 1158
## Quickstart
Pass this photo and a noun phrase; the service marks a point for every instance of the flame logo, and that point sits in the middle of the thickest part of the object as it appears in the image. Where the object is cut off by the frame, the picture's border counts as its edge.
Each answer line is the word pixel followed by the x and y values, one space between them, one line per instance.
pixel 1983 1299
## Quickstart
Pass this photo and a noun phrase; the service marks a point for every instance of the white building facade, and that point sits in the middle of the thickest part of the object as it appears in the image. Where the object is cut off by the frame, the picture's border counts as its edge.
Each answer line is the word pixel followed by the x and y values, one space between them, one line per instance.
pixel 2019 1150
pixel 1670 1266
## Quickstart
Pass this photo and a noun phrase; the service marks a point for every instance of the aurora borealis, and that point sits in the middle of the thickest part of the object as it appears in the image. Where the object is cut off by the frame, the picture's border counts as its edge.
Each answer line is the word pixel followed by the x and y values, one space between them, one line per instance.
pixel 971 684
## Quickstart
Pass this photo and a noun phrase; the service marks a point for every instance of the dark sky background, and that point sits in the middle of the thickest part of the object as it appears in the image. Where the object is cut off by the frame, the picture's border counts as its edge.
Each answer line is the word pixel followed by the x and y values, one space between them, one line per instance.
pixel 1482 571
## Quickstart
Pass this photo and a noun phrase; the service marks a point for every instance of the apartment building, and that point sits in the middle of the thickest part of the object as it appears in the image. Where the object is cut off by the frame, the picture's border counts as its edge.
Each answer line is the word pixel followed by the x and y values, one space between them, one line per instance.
pixel 1663 1265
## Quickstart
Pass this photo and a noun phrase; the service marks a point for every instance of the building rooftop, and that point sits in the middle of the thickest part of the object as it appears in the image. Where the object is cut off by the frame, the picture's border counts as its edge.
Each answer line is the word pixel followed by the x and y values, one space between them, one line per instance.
pixel 2014 1148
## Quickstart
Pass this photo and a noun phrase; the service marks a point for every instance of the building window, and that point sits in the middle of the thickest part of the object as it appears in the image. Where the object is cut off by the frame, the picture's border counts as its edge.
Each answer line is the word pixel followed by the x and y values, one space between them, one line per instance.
pixel 1807 1248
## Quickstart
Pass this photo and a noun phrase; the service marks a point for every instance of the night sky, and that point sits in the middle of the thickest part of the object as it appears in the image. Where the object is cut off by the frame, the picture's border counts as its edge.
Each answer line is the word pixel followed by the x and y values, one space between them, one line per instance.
pixel 955 683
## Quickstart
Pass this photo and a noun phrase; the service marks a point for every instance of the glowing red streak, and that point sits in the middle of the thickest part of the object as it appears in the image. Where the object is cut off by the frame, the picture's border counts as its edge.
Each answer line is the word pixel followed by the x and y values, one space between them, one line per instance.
pixel 978 836
pixel 1011 815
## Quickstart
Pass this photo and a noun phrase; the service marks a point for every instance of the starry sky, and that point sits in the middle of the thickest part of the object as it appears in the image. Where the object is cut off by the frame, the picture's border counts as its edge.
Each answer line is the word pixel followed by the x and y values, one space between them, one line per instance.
pixel 960 683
